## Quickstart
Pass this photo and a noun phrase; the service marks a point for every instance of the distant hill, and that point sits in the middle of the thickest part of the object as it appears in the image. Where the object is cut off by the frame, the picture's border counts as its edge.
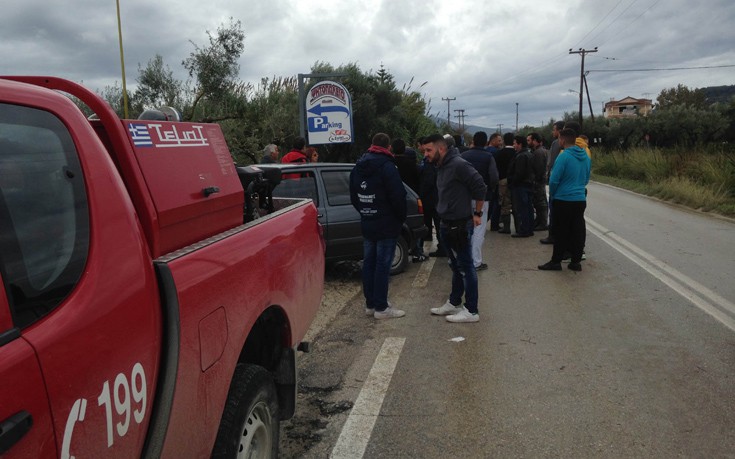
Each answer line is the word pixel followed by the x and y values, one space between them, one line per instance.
pixel 469 128
pixel 719 94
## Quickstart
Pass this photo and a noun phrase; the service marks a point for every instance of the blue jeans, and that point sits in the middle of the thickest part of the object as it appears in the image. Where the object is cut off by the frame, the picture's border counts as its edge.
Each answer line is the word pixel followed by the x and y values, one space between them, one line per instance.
pixel 377 258
pixel 464 276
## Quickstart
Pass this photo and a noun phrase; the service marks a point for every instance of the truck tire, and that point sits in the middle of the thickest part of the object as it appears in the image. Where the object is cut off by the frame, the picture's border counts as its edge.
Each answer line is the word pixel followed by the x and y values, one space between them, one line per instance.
pixel 250 424
pixel 400 258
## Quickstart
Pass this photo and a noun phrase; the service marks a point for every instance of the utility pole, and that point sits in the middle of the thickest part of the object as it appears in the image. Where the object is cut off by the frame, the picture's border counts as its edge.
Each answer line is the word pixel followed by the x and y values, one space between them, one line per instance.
pixel 582 52
pixel 589 101
pixel 460 117
pixel 449 100
pixel 500 128
pixel 516 117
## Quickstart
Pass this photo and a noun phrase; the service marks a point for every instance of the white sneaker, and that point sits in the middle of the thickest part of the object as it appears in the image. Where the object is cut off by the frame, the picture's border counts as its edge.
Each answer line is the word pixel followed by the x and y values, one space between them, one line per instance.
pixel 463 316
pixel 389 313
pixel 446 309
pixel 371 311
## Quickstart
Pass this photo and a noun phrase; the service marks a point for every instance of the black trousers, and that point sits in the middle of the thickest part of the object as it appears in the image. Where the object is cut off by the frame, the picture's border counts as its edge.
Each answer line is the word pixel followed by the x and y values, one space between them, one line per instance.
pixel 569 229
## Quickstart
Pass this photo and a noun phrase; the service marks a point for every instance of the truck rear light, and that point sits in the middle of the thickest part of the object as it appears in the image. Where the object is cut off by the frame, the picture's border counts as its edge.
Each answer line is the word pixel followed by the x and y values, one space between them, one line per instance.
pixel 421 206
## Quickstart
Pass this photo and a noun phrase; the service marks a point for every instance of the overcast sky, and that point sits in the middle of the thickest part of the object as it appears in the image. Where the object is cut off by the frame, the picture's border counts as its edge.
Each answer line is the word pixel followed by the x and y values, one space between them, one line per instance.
pixel 489 55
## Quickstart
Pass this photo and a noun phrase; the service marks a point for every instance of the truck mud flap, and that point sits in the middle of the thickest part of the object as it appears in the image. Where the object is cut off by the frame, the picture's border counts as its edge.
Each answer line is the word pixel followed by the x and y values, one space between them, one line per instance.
pixel 286 384
pixel 163 401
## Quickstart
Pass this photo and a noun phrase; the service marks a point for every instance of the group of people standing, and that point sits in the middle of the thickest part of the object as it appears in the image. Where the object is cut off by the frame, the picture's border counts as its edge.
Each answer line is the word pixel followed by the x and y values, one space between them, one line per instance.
pixel 496 178
pixel 377 192
pixel 299 153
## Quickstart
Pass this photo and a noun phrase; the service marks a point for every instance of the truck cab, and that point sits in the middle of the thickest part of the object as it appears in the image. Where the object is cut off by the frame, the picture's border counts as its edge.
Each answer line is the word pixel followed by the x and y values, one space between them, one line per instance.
pixel 136 300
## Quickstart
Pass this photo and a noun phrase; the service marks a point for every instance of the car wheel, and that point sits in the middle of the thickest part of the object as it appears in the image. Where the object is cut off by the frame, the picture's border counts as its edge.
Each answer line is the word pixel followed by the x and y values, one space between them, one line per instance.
pixel 250 424
pixel 400 258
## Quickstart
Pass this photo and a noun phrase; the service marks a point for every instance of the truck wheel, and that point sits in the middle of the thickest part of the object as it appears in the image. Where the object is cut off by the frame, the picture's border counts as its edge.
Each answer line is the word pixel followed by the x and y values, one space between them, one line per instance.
pixel 400 258
pixel 250 424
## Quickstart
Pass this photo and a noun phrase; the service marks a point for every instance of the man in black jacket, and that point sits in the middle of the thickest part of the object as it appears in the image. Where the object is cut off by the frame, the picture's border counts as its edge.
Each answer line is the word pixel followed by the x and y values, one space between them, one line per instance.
pixel 484 163
pixel 377 192
pixel 520 182
pixel 503 158
pixel 540 202
pixel 408 169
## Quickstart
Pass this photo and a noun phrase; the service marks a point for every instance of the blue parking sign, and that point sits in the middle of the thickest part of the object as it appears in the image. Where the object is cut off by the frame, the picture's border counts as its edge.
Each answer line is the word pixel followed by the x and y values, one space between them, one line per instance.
pixel 329 114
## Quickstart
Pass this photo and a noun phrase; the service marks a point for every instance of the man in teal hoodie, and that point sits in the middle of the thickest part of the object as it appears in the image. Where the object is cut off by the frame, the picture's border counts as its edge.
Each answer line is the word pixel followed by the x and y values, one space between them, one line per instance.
pixel 567 183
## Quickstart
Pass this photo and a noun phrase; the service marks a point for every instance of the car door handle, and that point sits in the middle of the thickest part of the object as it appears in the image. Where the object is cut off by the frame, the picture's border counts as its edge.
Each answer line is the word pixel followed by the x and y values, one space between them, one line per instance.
pixel 13 429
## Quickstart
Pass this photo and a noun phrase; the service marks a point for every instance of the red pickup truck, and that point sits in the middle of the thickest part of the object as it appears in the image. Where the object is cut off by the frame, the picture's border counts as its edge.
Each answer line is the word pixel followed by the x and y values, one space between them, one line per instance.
pixel 141 315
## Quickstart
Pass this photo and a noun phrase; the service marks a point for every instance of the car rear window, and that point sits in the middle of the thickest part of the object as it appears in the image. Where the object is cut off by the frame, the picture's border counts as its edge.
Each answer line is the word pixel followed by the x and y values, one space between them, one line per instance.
pixel 301 185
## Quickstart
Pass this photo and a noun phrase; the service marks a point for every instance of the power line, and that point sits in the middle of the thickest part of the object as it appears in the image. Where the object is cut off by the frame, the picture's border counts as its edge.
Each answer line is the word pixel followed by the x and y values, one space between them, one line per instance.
pixel 601 21
pixel 656 70
pixel 613 21
pixel 631 22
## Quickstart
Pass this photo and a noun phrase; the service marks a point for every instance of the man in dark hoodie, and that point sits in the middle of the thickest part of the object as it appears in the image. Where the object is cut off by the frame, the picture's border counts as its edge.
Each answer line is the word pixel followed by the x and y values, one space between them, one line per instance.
pixel 459 184
pixel 378 194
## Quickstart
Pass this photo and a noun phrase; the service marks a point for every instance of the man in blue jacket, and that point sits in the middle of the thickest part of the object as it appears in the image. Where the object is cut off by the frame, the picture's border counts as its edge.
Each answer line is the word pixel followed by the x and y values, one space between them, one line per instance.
pixel 377 192
pixel 569 178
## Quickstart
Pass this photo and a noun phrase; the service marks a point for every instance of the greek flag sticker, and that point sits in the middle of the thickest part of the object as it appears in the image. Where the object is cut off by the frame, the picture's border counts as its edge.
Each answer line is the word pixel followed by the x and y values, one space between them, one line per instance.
pixel 140 135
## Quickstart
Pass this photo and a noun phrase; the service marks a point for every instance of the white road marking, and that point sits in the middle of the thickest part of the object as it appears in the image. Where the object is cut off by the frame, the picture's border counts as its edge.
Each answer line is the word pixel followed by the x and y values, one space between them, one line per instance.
pixel 699 295
pixel 422 276
pixel 353 439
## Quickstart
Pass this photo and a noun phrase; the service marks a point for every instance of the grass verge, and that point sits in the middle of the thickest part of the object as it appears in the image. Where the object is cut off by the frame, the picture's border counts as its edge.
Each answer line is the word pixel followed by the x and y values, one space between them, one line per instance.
pixel 679 191
pixel 699 178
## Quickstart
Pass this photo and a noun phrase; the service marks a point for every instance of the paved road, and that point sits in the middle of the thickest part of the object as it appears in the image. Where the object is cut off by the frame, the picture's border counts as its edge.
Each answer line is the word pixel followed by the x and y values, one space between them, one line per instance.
pixel 632 357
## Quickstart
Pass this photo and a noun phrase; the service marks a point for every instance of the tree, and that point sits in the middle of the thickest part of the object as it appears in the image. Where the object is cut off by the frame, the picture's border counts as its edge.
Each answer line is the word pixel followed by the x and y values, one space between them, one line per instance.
pixel 252 116
pixel 271 115
pixel 681 95
pixel 157 85
pixel 215 69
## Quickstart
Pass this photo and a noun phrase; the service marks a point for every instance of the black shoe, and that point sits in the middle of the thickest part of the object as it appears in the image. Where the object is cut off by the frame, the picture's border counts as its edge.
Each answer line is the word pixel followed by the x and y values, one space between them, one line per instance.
pixel 504 231
pixel 575 266
pixel 482 267
pixel 521 235
pixel 567 256
pixel 541 228
pixel 550 266
pixel 438 253
pixel 547 240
